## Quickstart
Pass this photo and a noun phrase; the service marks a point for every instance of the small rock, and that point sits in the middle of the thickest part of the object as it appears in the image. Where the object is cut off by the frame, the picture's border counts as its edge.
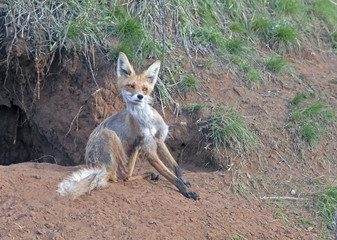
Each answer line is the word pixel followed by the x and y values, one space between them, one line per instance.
pixel 47 225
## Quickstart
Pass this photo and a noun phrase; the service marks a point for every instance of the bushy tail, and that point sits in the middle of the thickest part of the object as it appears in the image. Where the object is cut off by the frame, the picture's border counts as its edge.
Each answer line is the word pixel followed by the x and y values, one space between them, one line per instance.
pixel 82 182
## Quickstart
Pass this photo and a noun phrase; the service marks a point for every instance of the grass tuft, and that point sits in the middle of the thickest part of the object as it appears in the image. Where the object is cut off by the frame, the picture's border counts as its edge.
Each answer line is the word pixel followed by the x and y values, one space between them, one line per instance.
pixel 326 10
pixel 207 36
pixel 131 36
pixel 227 128
pixel 129 28
pixel 263 26
pixel 235 46
pixel 290 7
pixel 310 117
pixel 275 33
pixel 333 37
pixel 189 83
pixel 237 27
pixel 276 64
pixel 284 33
pixel 194 108
pixel 326 203
pixel 252 75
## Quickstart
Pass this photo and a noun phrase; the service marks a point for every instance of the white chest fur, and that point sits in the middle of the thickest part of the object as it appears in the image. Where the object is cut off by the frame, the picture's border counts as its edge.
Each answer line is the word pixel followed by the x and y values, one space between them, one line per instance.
pixel 146 118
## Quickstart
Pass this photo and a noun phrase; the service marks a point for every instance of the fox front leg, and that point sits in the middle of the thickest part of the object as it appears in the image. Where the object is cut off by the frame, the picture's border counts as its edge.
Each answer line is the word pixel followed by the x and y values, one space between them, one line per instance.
pixel 165 154
pixel 163 170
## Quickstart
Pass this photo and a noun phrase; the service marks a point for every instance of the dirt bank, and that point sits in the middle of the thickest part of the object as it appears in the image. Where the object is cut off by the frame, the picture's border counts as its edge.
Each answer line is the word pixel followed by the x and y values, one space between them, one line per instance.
pixel 31 209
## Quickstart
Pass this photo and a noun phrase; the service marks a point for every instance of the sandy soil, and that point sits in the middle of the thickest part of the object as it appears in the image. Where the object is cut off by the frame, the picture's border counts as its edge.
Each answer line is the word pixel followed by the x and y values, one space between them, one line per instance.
pixel 31 209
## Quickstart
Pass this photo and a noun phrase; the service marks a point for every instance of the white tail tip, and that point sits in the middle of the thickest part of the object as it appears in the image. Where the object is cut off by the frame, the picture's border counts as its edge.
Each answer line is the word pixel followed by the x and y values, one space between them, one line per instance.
pixel 82 182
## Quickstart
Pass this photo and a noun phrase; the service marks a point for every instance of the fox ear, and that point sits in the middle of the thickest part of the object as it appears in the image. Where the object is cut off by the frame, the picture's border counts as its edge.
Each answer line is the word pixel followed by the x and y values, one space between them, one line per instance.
pixel 124 67
pixel 151 73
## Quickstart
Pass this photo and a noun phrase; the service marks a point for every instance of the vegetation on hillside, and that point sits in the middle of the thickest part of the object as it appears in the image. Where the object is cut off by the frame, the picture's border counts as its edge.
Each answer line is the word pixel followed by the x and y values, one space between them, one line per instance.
pixel 235 32
pixel 310 117
pixel 325 205
pixel 224 129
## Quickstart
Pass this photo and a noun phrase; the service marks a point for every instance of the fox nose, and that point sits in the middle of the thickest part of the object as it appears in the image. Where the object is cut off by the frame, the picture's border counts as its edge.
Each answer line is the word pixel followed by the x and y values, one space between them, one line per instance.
pixel 140 96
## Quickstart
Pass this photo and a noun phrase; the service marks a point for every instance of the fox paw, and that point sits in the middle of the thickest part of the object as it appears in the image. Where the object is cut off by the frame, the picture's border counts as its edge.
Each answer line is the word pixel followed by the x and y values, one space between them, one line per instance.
pixel 154 177
pixel 193 195
pixel 151 176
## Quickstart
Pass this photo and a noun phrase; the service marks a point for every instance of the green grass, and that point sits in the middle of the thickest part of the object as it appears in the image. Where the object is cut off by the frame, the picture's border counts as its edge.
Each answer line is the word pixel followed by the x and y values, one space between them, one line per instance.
pixel 263 27
pixel 326 205
pixel 285 33
pixel 132 39
pixel 277 33
pixel 333 36
pixel 235 46
pixel 76 26
pixel 241 63
pixel 201 24
pixel 188 83
pixel 251 74
pixel 326 10
pixel 289 7
pixel 207 36
pixel 194 108
pixel 207 64
pixel 129 28
pixel 237 237
pixel 221 29
pixel 237 27
pixel 281 215
pixel 226 128
pixel 225 28
pixel 276 64
pixel 310 117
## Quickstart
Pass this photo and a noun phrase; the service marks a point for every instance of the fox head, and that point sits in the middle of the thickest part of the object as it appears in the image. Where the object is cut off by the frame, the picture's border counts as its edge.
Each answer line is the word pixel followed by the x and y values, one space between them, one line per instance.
pixel 136 88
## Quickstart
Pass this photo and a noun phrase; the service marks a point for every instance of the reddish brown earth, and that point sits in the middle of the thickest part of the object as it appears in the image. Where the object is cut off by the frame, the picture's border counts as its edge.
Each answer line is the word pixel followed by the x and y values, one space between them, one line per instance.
pixel 31 209
pixel 55 129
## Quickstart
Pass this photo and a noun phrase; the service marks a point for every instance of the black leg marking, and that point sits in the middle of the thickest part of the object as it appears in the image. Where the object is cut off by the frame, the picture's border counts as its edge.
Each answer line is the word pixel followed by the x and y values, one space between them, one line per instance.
pixel 186 191
pixel 138 142
pixel 178 171
pixel 180 175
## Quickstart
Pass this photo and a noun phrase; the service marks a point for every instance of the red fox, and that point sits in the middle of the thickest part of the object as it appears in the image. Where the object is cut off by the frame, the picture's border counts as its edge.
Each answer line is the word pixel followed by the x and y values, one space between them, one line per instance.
pixel 113 147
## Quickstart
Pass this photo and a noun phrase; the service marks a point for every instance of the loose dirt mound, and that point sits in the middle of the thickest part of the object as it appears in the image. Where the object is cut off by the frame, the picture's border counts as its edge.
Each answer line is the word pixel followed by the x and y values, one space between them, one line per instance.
pixel 31 209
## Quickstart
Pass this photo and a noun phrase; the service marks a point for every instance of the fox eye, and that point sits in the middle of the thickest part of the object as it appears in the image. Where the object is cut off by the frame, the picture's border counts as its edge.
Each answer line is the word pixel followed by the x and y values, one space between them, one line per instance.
pixel 130 86
pixel 145 89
